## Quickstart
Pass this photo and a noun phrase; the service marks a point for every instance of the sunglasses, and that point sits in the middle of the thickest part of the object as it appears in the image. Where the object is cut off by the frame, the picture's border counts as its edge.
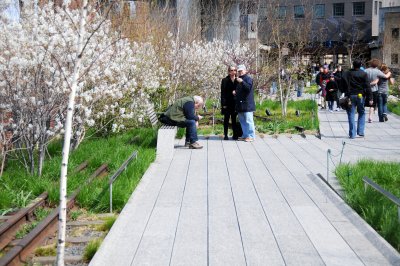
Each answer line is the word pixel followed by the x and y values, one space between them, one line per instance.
pixel 232 69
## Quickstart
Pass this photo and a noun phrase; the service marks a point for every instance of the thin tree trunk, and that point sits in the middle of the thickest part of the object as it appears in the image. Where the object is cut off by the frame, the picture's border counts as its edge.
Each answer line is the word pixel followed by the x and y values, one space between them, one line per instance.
pixel 3 160
pixel 41 158
pixel 67 140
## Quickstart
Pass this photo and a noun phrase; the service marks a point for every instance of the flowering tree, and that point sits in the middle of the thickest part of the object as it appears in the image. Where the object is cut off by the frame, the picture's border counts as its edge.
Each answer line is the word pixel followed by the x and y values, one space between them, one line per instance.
pixel 36 69
pixel 197 67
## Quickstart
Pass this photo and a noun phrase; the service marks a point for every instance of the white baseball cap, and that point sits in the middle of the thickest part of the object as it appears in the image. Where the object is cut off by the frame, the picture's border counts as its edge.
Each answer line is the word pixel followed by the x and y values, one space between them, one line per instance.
pixel 241 68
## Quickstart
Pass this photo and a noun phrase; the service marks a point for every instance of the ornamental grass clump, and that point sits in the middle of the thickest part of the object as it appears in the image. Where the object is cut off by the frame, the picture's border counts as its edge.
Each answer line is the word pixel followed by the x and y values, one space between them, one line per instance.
pixel 376 209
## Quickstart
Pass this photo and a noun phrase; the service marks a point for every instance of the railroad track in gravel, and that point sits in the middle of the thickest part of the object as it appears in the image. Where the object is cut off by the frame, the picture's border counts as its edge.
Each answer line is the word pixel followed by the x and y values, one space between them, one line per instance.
pixel 17 255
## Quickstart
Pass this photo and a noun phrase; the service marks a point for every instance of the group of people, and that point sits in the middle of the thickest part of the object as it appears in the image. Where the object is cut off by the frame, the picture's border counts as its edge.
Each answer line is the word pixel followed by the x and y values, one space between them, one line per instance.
pixel 237 100
pixel 368 87
pixel 362 88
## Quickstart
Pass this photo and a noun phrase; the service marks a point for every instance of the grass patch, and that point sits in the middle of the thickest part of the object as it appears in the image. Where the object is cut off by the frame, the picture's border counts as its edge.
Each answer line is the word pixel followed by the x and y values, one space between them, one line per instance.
pixel 40 214
pixel 16 184
pixel 306 117
pixel 273 124
pixel 46 251
pixel 91 249
pixel 108 223
pixel 394 107
pixel 376 209
pixel 74 214
pixel 25 229
pixel 312 89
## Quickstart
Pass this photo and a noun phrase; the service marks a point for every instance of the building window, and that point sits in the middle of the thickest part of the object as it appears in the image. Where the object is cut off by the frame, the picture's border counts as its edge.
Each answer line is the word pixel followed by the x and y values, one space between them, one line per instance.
pixel 395 59
pixel 358 8
pixel 338 10
pixel 319 11
pixel 298 11
pixel 263 12
pixel 252 7
pixel 395 33
pixel 281 12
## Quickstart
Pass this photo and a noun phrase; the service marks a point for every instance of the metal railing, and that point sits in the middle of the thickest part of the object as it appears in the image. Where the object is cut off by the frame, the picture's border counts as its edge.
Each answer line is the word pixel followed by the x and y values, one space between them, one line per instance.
pixel 117 173
pixel 329 156
pixel 387 194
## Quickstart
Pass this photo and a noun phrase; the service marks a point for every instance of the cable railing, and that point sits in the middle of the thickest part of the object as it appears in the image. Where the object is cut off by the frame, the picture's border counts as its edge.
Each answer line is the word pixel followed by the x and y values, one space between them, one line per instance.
pixel 117 173
pixel 387 194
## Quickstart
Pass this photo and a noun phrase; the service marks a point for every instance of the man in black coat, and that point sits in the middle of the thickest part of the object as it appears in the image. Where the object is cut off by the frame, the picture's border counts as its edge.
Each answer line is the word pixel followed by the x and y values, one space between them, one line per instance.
pixel 245 105
pixel 357 89
pixel 228 85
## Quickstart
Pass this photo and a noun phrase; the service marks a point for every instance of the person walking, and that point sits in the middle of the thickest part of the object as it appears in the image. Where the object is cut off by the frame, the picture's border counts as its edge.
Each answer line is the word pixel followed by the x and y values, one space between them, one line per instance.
pixel 374 75
pixel 383 90
pixel 245 105
pixel 182 113
pixel 357 89
pixel 321 80
pixel 331 92
pixel 338 77
pixel 301 76
pixel 228 85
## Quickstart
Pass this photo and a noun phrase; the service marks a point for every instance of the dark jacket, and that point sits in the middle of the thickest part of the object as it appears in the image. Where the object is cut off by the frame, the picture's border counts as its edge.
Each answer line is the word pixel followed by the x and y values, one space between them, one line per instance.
pixel 331 95
pixel 182 110
pixel 318 78
pixel 245 95
pixel 355 81
pixel 227 98
pixel 339 80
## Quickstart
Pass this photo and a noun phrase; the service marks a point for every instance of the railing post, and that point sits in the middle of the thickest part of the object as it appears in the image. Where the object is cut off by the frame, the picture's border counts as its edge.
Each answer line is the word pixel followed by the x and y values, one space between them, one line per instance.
pixel 111 185
pixel 327 164
pixel 398 212
pixel 341 154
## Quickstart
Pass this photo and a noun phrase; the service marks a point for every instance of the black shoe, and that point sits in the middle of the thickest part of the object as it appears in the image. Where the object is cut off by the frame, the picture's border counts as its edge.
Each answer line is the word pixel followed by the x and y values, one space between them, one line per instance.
pixel 226 138
pixel 187 143
pixel 235 138
pixel 385 118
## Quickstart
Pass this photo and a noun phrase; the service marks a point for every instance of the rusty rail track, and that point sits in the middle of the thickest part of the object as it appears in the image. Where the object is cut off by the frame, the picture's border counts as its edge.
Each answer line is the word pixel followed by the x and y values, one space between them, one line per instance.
pixel 18 254
pixel 10 227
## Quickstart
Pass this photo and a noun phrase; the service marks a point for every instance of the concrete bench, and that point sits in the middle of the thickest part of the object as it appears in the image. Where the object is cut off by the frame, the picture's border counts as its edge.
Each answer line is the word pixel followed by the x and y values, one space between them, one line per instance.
pixel 165 135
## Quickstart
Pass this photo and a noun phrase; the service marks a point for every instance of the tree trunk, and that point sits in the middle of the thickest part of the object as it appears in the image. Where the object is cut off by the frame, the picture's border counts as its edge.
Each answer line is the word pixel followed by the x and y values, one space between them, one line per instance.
pixel 42 150
pixel 62 218
pixel 31 155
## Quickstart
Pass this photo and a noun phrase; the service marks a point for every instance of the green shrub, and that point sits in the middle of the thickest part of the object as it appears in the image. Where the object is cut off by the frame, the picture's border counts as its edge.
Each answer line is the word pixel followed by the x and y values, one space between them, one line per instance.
pixel 91 249
pixel 108 223
pixel 375 208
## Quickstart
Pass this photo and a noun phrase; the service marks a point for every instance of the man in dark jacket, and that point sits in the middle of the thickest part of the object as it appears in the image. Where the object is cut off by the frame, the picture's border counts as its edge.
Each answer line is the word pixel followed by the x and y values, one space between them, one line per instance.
pixel 357 89
pixel 228 85
pixel 183 114
pixel 245 105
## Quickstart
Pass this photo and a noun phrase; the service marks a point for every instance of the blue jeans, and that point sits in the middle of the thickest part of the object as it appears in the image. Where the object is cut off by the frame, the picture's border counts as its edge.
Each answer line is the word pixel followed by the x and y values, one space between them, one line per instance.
pixel 358 103
pixel 330 105
pixel 191 130
pixel 247 123
pixel 382 108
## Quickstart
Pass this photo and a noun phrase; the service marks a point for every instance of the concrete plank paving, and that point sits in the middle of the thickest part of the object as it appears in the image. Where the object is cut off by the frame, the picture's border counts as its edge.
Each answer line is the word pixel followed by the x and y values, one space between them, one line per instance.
pixel 260 203
pixel 190 246
pixel 258 241
pixel 225 240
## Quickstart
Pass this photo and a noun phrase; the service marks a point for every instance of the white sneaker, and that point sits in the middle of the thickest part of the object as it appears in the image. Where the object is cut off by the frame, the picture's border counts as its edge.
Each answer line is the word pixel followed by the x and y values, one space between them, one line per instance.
pixel 331 111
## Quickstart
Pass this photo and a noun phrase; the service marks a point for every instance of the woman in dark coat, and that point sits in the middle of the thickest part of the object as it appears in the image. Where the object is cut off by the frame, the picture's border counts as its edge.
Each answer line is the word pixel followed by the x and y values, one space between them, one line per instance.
pixel 331 92
pixel 228 85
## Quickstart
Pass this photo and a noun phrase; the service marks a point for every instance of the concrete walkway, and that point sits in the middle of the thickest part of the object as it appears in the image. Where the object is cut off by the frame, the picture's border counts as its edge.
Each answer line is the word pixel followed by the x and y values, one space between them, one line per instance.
pixel 260 203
